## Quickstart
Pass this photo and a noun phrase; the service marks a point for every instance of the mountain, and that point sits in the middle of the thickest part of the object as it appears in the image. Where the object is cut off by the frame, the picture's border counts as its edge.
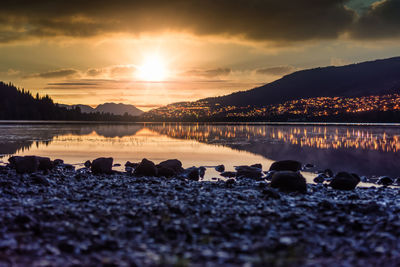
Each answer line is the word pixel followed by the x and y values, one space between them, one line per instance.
pixel 118 109
pixel 369 78
pixel 113 108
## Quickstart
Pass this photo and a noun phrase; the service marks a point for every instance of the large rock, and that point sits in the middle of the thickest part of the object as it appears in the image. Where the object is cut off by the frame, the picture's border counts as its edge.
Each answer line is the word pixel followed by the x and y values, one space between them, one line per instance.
pixel 169 168
pixel 26 164
pixel 45 164
pixel 289 181
pixel 286 165
pixel 102 165
pixel 344 181
pixel 249 172
pixel 165 171
pixel 145 168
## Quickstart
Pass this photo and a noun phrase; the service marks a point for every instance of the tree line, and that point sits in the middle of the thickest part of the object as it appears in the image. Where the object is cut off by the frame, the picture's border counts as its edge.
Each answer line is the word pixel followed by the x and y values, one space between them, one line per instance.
pixel 20 104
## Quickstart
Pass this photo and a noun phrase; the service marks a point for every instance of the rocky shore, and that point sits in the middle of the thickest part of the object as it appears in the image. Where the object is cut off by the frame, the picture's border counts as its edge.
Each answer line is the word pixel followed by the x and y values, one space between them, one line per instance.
pixel 165 215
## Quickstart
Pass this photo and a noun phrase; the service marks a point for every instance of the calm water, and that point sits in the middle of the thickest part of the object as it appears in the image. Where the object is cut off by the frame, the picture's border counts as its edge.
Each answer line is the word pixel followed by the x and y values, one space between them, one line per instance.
pixel 366 150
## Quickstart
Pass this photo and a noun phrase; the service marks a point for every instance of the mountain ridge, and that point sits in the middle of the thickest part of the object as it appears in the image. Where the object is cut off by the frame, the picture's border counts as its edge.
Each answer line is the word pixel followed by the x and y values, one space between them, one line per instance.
pixel 366 78
pixel 108 107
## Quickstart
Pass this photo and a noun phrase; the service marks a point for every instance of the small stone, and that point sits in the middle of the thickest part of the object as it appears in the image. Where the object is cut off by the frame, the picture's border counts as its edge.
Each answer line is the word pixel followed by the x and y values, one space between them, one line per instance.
pixel 257 165
pixel 344 181
pixel 87 164
pixel 57 162
pixel 385 180
pixel 220 168
pixel 202 171
pixel 248 171
pixel 228 174
pixel 193 173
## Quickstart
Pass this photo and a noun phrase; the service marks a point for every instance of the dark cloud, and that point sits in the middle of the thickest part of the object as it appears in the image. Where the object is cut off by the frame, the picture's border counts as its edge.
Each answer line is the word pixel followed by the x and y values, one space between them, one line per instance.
pixel 382 20
pixel 265 20
pixel 210 73
pixel 72 83
pixel 94 72
pixel 53 74
pixel 276 71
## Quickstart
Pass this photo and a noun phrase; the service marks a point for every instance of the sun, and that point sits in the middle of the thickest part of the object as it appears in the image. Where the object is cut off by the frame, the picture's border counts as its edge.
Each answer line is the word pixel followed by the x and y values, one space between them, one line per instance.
pixel 153 69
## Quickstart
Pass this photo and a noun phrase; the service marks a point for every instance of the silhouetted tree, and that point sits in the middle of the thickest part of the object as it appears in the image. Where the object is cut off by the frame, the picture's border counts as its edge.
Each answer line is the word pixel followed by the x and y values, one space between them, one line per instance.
pixel 19 104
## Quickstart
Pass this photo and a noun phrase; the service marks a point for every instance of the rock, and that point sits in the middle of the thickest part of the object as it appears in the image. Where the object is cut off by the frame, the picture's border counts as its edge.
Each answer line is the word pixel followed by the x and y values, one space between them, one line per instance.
pixel 57 162
pixel 228 174
pixel 258 165
pixel 146 168
pixel 173 164
pixel 385 181
pixel 102 165
pixel 169 168
pixel 165 171
pixel 131 164
pixel 13 160
pixel 26 164
pixel 193 173
pixel 289 181
pixel 286 165
pixel 45 164
pixel 69 167
pixel 202 171
pixel 344 181
pixel 220 168
pixel 319 179
pixel 117 165
pixel 248 171
pixel 87 164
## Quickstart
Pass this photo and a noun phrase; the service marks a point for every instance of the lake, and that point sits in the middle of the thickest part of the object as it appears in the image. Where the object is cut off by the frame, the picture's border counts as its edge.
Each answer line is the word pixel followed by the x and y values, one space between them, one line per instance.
pixel 370 150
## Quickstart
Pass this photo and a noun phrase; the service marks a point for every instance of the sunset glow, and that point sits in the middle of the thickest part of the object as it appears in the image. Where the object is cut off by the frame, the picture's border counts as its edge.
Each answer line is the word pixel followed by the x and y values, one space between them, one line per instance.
pixel 153 69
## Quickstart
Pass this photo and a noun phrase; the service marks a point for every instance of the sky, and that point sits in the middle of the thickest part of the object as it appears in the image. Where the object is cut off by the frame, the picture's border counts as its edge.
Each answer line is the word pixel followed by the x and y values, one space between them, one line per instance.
pixel 156 52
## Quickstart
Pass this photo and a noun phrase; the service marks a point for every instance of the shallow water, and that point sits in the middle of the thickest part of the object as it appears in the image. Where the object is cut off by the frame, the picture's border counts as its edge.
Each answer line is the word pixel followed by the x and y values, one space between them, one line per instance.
pixel 368 150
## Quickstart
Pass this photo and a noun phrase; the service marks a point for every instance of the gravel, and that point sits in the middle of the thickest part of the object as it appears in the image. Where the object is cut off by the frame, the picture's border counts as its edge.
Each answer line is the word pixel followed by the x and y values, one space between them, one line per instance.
pixel 75 218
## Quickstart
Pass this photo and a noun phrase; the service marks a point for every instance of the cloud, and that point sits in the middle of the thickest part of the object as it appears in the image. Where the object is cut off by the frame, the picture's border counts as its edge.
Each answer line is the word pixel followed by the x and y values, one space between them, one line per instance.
pixel 209 73
pixel 267 20
pixel 94 72
pixel 61 73
pixel 276 71
pixel 382 20
pixel 72 83
pixel 122 71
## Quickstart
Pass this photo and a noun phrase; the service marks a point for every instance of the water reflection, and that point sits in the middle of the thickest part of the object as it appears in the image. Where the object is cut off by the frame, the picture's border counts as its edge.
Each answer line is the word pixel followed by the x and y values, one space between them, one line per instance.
pixel 365 150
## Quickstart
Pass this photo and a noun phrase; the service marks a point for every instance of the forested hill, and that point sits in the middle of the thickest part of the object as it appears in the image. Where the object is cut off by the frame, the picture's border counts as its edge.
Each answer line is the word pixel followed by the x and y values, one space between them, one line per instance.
pixel 19 104
pixel 369 78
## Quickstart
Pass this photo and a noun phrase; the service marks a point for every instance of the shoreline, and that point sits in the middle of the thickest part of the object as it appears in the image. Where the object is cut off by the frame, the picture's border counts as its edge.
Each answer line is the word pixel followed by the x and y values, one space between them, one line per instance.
pixel 52 122
pixel 65 217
